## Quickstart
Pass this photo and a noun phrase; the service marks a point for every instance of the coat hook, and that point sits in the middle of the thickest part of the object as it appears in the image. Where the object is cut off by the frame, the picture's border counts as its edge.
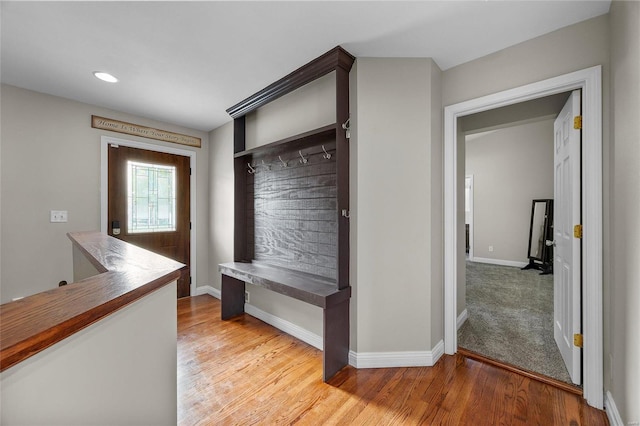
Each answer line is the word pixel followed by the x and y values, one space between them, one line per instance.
pixel 284 163
pixel 251 169
pixel 303 160
pixel 347 128
pixel 326 155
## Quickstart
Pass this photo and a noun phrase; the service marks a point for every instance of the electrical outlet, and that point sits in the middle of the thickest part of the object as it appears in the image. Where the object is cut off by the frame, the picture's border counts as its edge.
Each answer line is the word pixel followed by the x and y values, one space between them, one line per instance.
pixel 490 248
pixel 246 297
pixel 59 216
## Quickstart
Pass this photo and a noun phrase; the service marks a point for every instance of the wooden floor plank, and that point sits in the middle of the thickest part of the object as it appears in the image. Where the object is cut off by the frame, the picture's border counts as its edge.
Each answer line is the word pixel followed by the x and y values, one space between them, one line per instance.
pixel 244 371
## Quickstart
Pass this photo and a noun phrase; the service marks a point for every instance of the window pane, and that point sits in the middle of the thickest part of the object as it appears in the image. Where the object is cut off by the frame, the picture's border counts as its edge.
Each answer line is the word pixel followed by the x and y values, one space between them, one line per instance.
pixel 151 197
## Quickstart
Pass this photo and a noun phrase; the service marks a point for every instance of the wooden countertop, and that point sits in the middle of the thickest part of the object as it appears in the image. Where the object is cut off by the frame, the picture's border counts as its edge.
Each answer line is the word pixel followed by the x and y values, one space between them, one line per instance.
pixel 29 325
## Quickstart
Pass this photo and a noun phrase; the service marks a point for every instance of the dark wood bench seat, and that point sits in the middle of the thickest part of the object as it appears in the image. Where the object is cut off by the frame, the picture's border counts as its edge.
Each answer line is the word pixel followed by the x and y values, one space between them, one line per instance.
pixel 312 289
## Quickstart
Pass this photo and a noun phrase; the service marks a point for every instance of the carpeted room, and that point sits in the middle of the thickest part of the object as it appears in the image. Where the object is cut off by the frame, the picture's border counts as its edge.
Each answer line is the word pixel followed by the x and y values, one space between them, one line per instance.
pixel 509 163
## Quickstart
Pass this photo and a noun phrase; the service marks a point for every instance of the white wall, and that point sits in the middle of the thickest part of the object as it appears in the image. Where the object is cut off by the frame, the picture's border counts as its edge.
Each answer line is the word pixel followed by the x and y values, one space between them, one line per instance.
pixel 120 370
pixel 510 167
pixel 51 161
pixel 622 342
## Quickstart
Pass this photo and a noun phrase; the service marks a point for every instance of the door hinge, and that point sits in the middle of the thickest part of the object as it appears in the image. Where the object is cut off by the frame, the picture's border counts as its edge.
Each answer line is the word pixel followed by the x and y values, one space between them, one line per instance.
pixel 577 231
pixel 577 340
pixel 577 122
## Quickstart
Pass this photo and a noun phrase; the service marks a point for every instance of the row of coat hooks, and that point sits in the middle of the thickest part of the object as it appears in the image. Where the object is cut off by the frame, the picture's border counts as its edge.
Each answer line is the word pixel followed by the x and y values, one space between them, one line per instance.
pixel 253 168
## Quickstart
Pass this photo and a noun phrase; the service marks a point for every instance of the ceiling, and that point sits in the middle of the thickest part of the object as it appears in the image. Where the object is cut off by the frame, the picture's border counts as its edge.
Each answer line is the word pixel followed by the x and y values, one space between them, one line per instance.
pixel 187 62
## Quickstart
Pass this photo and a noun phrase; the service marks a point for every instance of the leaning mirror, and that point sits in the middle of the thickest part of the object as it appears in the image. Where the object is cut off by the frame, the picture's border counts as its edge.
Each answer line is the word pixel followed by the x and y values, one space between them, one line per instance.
pixel 540 253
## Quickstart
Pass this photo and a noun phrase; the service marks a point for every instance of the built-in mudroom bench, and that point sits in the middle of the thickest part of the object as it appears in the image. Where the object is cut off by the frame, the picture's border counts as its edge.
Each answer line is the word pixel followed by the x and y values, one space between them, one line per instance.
pixel 291 209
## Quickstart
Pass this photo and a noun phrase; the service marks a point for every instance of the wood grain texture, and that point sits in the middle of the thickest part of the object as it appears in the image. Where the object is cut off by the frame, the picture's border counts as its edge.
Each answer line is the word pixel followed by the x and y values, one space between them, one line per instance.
pixel 335 335
pixel 324 135
pixel 523 372
pixel 232 297
pixel 294 212
pixel 29 325
pixel 244 371
pixel 342 175
pixel 308 288
pixel 173 244
pixel 335 59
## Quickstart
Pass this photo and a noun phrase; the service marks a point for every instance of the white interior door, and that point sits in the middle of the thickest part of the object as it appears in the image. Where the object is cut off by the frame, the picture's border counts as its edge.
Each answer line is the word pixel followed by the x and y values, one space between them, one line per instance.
pixel 567 214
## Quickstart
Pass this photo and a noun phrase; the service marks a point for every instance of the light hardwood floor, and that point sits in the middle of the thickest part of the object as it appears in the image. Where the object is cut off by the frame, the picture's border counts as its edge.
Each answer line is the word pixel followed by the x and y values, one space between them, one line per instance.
pixel 244 371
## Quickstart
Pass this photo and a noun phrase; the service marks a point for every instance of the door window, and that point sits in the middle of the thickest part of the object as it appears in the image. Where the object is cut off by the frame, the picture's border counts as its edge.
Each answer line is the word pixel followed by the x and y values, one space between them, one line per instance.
pixel 151 197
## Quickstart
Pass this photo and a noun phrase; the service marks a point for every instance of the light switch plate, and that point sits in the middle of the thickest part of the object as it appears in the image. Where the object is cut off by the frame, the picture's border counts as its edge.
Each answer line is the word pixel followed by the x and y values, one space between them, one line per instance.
pixel 59 216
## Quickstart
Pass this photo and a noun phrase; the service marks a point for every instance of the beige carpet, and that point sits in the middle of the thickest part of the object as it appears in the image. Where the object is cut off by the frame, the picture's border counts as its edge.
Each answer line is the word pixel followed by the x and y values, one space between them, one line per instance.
pixel 511 318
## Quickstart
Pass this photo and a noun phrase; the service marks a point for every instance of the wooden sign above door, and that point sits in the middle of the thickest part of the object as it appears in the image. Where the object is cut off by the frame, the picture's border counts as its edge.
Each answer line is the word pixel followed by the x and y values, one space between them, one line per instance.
pixel 145 132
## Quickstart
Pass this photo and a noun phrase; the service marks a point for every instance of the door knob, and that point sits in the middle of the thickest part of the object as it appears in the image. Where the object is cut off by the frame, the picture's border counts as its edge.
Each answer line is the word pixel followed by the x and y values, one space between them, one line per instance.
pixel 550 243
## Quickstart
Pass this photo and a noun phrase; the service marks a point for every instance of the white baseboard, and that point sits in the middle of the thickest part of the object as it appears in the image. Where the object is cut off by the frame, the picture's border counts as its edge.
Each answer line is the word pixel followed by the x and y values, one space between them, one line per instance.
pixel 500 262
pixel 612 411
pixel 286 326
pixel 396 359
pixel 461 319
pixel 357 360
pixel 207 289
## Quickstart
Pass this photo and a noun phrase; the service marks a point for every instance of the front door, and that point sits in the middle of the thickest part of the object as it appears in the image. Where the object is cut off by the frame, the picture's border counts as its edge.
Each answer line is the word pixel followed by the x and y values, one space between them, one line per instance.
pixel 567 214
pixel 149 203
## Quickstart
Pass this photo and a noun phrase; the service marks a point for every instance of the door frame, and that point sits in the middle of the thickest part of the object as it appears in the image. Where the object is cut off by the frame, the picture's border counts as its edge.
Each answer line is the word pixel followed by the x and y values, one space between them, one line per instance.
pixel 105 141
pixel 470 177
pixel 590 82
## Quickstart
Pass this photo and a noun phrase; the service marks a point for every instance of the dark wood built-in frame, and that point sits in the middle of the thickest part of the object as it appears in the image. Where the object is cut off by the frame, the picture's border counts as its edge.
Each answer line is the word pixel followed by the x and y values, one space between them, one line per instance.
pixel 331 293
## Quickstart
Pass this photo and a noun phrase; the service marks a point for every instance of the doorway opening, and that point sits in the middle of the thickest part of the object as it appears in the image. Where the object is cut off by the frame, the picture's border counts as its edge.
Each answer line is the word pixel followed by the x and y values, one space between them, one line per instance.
pixel 508 314
pixel 589 81
pixel 148 199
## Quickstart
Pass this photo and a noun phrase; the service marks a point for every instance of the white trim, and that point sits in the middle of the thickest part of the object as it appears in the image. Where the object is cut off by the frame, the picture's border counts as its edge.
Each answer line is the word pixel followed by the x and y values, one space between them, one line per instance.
pixel 590 81
pixel 471 218
pixel 612 411
pixel 277 322
pixel 286 326
pixel 396 359
pixel 207 289
pixel 461 319
pixel 357 360
pixel 501 262
pixel 104 193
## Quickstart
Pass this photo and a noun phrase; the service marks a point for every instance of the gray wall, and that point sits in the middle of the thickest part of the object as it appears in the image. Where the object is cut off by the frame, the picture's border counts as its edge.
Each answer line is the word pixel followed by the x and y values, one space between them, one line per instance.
pixel 510 167
pixel 396 227
pixel 396 202
pixel 120 370
pixel 398 170
pixel 572 48
pixel 51 161
pixel 622 283
pixel 569 49
pixel 307 108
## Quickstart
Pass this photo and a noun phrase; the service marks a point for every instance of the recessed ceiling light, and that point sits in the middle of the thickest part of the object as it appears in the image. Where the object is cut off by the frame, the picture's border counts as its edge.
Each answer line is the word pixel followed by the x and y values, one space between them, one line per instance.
pixel 105 76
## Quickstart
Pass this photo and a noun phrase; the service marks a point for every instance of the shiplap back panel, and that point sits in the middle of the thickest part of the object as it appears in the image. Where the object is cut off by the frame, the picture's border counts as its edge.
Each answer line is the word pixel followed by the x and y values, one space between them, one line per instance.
pixel 294 212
